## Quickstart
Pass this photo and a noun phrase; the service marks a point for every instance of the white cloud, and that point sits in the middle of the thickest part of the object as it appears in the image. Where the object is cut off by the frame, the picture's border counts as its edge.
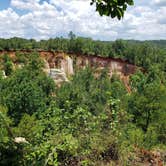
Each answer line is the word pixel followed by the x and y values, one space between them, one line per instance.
pixel 57 17
pixel 26 4
pixel 159 2
pixel 10 24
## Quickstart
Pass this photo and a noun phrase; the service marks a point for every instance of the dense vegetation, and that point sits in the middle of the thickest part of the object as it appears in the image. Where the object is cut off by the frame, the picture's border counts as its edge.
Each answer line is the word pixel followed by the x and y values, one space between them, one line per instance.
pixel 136 52
pixel 87 121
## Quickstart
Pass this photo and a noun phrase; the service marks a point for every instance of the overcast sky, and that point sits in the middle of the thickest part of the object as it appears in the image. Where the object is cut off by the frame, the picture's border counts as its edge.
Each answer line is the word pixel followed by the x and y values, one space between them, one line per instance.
pixel 43 19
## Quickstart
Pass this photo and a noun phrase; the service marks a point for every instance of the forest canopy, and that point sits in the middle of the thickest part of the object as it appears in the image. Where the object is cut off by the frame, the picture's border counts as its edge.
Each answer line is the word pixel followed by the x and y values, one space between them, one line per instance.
pixel 140 53
pixel 89 120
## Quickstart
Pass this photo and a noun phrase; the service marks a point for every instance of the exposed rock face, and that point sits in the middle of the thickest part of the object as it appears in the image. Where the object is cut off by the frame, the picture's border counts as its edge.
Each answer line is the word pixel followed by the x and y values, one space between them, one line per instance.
pixel 46 68
pixel 66 65
pixel 3 74
pixel 58 68
pixel 58 75
pixel 60 65
pixel 20 140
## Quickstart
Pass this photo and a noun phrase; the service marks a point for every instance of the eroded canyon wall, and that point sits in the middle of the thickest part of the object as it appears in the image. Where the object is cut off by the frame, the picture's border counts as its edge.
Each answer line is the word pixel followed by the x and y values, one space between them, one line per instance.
pixel 61 65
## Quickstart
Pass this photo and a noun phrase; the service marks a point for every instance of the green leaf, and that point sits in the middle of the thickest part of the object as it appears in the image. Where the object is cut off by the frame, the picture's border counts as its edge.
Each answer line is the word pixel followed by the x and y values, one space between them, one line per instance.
pixel 130 2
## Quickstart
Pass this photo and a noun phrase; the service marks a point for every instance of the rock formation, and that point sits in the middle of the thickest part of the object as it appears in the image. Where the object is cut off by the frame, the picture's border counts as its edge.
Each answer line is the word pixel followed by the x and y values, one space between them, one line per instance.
pixel 61 65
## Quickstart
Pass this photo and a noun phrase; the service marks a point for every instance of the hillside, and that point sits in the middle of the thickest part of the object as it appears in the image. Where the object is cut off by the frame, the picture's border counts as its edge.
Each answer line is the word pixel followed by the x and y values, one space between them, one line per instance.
pixel 60 65
pixel 109 110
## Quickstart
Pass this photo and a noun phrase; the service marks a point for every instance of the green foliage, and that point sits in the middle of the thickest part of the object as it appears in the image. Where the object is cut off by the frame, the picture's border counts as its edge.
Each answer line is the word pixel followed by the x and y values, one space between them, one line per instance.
pixel 73 131
pixel 138 81
pixel 137 52
pixel 21 58
pixel 62 44
pixel 113 8
pixel 86 91
pixel 116 83
pixel 7 64
pixel 28 90
pixel 90 120
pixel 147 104
pixel 30 128
pixel 150 100
pixel 5 131
pixel 7 145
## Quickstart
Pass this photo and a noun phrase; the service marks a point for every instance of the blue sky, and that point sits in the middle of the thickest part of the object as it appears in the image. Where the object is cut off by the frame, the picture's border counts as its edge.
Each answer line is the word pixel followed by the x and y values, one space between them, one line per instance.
pixel 43 19
pixel 4 4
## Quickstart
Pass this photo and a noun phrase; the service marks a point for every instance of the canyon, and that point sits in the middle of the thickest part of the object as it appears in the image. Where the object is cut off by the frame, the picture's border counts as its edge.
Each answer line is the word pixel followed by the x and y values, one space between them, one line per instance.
pixel 60 66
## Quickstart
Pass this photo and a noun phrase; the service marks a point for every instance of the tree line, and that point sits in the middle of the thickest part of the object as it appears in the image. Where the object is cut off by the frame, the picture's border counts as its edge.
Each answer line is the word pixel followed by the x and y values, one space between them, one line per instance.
pixel 136 52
